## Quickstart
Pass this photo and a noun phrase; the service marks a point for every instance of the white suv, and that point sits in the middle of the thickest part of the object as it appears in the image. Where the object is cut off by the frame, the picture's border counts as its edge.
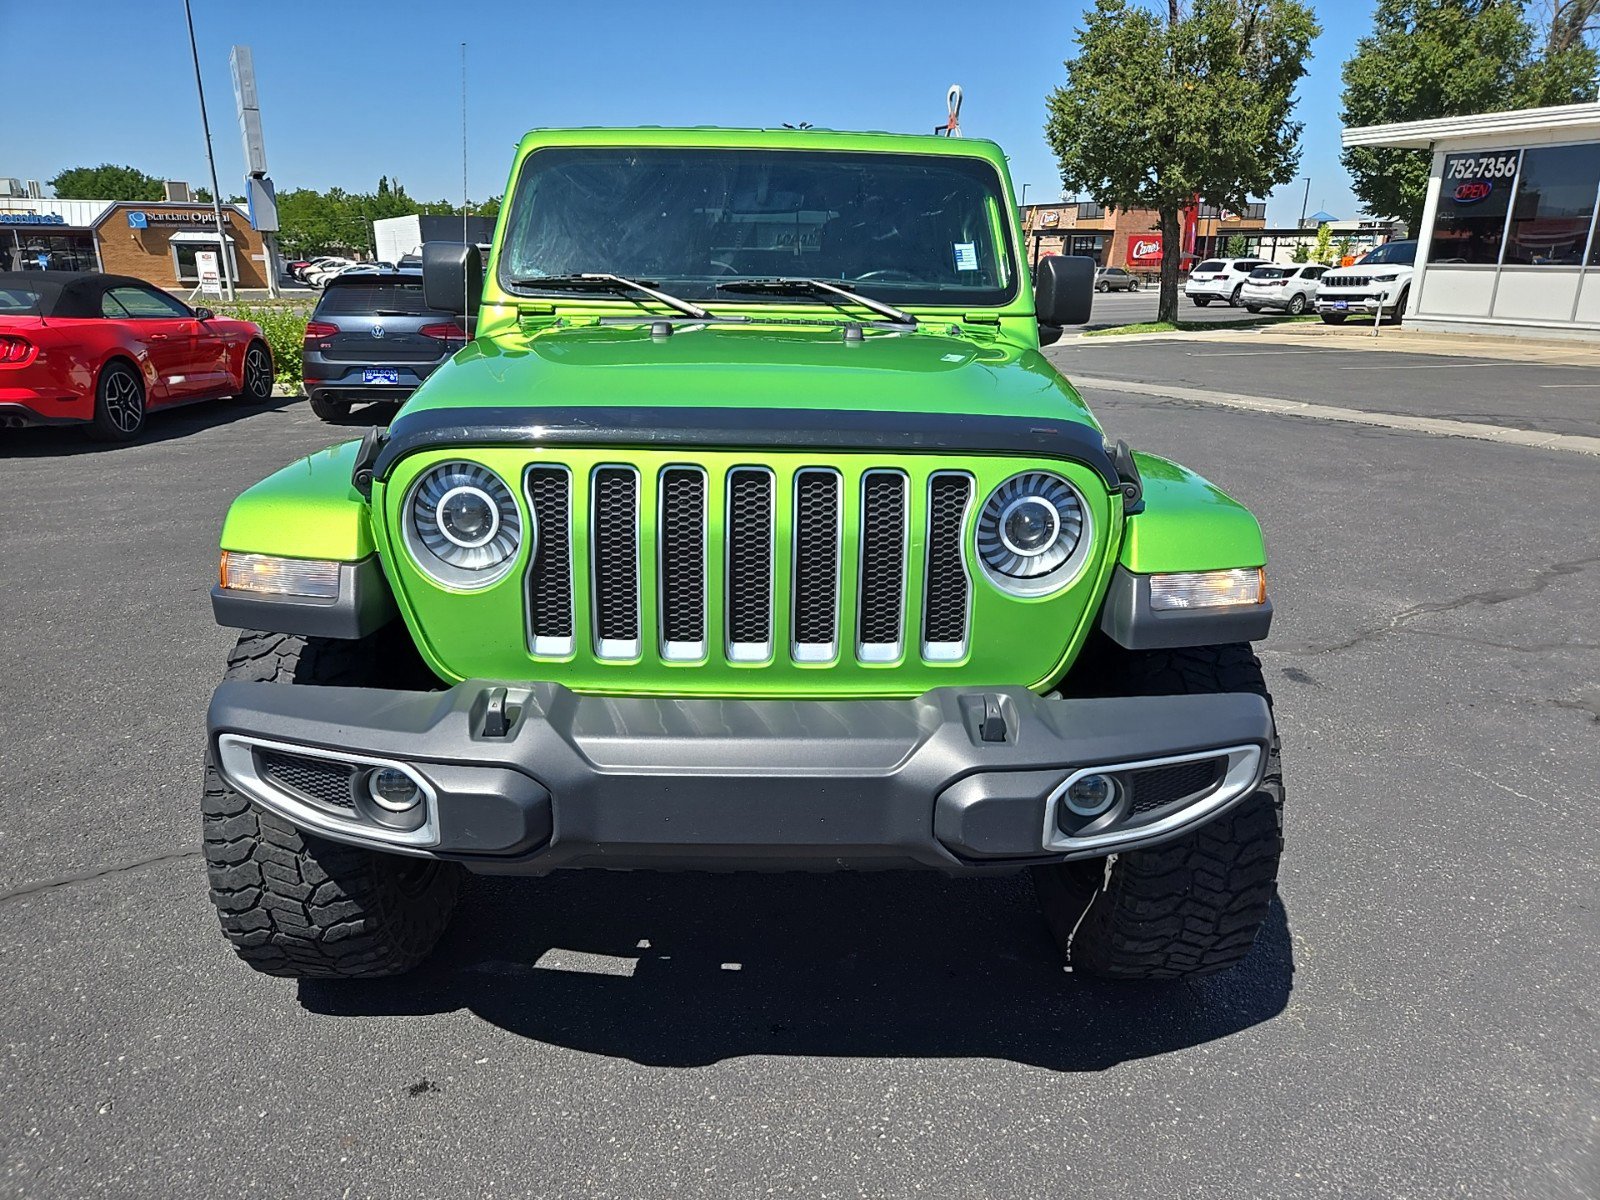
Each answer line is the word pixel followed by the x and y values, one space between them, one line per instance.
pixel 1291 287
pixel 1379 282
pixel 1219 279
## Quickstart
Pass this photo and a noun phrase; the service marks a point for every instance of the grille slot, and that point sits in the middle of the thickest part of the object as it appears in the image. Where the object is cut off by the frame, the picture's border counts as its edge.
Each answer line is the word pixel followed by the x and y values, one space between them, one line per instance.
pixel 614 560
pixel 883 566
pixel 1157 787
pixel 749 589
pixel 816 565
pixel 328 783
pixel 681 526
pixel 946 591
pixel 550 573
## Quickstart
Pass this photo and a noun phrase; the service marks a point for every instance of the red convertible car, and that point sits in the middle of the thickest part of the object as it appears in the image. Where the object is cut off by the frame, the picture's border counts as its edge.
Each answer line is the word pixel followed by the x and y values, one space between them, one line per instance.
pixel 103 350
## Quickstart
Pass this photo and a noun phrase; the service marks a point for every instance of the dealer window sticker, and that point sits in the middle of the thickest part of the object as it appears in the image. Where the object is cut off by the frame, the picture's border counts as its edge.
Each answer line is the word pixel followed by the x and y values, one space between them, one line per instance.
pixel 966 256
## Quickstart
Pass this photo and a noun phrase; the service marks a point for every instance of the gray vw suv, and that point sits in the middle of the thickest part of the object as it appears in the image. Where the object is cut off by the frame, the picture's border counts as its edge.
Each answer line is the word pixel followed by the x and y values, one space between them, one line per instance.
pixel 373 339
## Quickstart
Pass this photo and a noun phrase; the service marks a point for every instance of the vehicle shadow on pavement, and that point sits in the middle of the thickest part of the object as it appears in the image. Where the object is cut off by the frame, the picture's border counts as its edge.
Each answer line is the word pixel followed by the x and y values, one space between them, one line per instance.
pixel 163 425
pixel 678 970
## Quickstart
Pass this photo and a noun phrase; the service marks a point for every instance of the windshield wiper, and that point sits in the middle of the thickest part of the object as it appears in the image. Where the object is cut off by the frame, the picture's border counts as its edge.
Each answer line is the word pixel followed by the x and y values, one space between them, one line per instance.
pixel 798 286
pixel 604 282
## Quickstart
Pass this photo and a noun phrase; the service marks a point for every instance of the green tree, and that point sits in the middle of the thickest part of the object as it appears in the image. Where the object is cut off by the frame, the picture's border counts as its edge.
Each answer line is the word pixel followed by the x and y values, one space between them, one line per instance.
pixel 1322 252
pixel 1155 112
pixel 106 182
pixel 1301 252
pixel 1237 246
pixel 1445 58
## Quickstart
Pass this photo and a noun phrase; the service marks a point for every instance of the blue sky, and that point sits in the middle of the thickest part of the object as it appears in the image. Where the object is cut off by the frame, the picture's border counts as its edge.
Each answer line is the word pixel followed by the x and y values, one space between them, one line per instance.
pixel 351 90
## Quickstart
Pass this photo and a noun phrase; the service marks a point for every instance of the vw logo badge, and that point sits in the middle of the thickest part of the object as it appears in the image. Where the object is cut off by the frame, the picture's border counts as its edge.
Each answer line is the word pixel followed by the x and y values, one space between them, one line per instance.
pixel 377 331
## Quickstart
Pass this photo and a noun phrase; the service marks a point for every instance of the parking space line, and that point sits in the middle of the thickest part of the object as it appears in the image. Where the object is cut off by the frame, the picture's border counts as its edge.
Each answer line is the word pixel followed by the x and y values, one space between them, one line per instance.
pixel 1465 362
pixel 1571 385
pixel 1436 426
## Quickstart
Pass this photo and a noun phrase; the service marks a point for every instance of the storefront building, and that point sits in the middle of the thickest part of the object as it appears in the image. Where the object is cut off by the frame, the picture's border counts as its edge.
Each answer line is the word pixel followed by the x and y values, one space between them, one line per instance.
pixel 1131 238
pixel 156 242
pixel 1508 240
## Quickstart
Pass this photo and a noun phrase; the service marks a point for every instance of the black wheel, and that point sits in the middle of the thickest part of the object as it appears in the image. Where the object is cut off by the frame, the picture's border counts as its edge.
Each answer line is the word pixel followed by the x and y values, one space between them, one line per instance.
pixel 1334 318
pixel 1252 308
pixel 295 904
pixel 1192 906
pixel 1202 301
pixel 1297 304
pixel 257 379
pixel 1233 300
pixel 1397 314
pixel 118 403
pixel 329 410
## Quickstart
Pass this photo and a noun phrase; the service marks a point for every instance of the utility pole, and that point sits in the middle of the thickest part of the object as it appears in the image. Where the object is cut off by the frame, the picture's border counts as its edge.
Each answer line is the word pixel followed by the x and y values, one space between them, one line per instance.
pixel 1304 201
pixel 216 192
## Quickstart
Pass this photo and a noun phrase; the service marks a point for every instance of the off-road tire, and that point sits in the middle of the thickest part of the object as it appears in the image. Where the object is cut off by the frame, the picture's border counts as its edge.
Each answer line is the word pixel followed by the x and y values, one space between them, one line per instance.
pixel 298 905
pixel 1192 906
pixel 333 411
pixel 119 403
pixel 1334 318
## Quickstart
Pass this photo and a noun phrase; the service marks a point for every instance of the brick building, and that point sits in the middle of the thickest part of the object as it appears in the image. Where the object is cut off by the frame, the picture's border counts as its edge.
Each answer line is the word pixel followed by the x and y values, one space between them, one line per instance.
pixel 1107 235
pixel 156 242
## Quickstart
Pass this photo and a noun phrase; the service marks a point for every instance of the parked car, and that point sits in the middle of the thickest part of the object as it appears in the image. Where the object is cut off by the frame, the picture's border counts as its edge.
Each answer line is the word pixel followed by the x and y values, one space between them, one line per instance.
pixel 102 351
pixel 318 274
pixel 1220 279
pixel 1293 287
pixel 1115 279
pixel 369 268
pixel 1379 284
pixel 301 270
pixel 739 569
pixel 372 337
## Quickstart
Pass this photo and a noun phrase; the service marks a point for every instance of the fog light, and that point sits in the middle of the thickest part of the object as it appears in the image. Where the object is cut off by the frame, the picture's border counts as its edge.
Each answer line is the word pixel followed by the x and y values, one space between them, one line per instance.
pixel 1090 795
pixel 393 789
pixel 317 578
pixel 1208 589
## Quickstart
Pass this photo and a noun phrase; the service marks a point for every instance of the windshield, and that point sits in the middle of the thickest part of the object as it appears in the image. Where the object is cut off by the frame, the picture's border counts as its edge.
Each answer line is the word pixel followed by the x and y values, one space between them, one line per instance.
pixel 1400 254
pixel 909 228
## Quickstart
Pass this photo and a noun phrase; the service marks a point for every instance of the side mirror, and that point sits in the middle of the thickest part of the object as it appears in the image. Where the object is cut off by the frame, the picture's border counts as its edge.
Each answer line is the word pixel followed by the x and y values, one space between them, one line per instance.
pixel 1063 290
pixel 452 277
pixel 204 314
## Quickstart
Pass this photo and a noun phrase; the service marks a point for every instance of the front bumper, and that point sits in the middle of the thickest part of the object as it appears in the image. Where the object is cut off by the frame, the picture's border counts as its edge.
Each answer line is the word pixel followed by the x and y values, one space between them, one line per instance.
pixel 1368 304
pixel 957 779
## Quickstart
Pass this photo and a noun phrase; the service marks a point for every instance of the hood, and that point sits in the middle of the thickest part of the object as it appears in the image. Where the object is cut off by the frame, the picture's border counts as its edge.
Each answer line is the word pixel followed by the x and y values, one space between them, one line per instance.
pixel 766 367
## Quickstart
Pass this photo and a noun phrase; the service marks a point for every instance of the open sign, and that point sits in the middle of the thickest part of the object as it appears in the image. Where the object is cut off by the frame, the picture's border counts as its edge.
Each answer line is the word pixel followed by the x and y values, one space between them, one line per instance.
pixel 1472 191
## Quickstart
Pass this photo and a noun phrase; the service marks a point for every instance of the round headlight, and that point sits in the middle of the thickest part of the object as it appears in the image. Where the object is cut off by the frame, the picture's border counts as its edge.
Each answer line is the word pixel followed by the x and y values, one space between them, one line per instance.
pixel 1031 533
pixel 462 524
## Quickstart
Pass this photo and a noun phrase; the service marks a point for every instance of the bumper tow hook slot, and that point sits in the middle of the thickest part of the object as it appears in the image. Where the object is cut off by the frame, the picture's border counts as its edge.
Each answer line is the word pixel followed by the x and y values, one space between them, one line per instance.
pixel 495 722
pixel 993 726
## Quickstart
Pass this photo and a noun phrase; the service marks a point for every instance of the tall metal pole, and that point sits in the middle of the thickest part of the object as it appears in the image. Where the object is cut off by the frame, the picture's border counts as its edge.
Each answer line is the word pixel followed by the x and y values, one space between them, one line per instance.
pixel 216 192
pixel 464 201
pixel 1305 202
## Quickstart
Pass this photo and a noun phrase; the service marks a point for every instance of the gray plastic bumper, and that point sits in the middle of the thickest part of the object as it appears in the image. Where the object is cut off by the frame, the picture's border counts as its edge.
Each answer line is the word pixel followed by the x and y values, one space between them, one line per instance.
pixel 957 779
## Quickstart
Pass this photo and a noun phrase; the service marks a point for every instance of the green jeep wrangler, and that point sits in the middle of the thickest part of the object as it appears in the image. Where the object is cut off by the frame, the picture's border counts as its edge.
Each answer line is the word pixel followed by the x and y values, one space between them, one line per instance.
pixel 749 531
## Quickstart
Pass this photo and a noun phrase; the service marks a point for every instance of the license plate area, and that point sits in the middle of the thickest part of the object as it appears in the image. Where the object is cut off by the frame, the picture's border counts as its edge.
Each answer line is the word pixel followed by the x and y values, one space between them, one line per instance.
pixel 380 375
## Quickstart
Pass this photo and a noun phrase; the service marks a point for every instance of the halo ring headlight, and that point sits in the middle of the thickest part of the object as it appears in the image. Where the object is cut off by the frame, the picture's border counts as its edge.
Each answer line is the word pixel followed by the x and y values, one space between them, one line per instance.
pixel 462 525
pixel 1034 534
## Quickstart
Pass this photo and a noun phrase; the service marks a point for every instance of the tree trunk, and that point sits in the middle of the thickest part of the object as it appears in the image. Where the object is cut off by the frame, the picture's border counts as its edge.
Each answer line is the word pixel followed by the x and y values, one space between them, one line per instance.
pixel 1171 253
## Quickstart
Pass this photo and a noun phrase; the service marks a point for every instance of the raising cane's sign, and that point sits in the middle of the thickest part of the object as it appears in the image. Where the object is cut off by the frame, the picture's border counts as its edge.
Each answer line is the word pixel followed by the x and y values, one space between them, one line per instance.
pixel 1144 249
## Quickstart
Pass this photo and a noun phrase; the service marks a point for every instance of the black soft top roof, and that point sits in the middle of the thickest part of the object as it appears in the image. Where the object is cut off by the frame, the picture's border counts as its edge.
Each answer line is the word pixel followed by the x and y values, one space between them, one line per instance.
pixel 66 293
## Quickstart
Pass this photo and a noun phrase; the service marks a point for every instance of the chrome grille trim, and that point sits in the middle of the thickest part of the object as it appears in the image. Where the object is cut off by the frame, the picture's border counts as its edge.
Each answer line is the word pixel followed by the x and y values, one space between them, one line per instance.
pixel 881 566
pixel 677 612
pixel 815 549
pixel 614 551
pixel 946 569
pixel 749 608
pixel 548 585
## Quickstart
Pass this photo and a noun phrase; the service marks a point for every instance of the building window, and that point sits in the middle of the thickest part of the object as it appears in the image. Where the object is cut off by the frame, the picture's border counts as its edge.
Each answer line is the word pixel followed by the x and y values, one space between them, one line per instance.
pixel 1554 206
pixel 1088 210
pixel 183 265
pixel 1474 197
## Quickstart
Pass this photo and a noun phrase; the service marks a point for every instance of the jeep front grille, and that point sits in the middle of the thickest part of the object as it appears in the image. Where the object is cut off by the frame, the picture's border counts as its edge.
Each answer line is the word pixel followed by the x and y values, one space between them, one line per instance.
pixel 651 547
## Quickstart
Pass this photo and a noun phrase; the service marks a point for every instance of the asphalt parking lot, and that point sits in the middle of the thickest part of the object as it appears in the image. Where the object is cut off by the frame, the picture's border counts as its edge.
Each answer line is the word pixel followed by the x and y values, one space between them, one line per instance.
pixel 1417 1020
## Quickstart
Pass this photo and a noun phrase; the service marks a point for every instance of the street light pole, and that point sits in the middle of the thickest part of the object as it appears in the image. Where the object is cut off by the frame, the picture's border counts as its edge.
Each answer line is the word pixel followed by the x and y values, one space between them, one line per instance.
pixel 216 192
pixel 1304 202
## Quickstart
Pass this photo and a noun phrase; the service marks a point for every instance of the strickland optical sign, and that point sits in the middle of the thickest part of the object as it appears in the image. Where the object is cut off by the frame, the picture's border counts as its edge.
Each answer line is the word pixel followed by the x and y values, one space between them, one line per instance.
pixel 1144 249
